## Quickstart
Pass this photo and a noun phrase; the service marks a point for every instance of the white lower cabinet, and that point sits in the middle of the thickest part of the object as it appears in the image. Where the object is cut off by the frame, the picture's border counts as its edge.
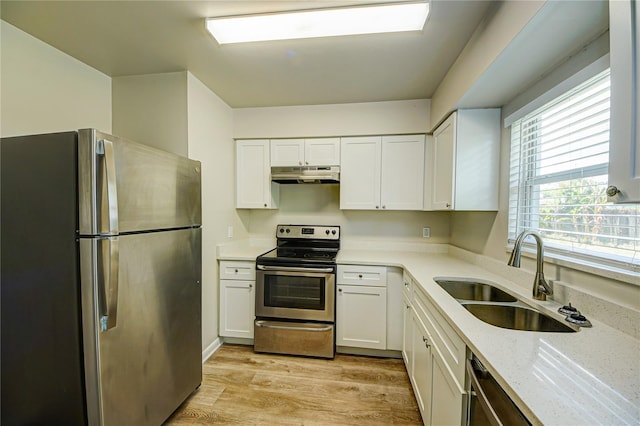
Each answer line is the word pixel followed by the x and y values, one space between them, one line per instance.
pixel 237 307
pixel 437 381
pixel 237 299
pixel 361 307
pixel 421 368
pixel 361 317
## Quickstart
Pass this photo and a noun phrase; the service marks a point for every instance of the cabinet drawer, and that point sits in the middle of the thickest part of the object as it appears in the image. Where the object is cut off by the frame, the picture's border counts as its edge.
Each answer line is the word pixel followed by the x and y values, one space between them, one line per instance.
pixel 237 270
pixel 375 276
pixel 450 345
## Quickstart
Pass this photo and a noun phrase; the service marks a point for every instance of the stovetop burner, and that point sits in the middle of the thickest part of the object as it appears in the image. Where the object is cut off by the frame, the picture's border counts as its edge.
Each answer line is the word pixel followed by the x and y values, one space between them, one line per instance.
pixel 298 244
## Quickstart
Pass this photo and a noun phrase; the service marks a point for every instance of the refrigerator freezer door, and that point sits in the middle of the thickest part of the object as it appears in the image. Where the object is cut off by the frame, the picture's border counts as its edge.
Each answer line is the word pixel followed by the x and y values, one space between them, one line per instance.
pixel 141 370
pixel 127 187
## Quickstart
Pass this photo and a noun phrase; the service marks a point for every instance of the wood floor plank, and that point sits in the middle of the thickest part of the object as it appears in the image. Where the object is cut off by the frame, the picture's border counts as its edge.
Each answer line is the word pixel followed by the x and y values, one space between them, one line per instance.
pixel 243 387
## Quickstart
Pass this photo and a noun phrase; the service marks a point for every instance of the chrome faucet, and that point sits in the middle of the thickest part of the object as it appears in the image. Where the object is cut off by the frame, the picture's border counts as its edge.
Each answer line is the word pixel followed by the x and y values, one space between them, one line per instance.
pixel 541 287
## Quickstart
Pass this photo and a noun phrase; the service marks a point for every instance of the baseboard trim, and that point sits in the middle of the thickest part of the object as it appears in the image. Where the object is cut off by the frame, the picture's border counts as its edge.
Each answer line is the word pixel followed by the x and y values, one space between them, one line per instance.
pixel 211 349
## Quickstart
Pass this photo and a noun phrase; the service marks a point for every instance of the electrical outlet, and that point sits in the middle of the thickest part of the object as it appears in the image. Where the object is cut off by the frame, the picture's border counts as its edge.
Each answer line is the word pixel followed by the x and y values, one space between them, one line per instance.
pixel 426 232
pixel 230 232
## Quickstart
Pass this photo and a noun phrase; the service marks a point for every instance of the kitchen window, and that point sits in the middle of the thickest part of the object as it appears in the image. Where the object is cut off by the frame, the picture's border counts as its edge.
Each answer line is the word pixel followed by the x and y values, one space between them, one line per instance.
pixel 558 177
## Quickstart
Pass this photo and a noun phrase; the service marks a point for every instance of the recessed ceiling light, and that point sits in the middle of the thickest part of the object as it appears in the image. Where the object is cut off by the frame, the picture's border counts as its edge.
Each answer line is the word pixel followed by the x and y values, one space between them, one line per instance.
pixel 370 19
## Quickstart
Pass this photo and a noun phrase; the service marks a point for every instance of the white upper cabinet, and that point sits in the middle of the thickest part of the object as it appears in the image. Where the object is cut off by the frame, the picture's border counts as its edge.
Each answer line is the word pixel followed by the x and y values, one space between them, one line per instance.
pixel 402 180
pixel 624 149
pixel 464 157
pixel 254 189
pixel 360 172
pixel 382 172
pixel 287 152
pixel 305 152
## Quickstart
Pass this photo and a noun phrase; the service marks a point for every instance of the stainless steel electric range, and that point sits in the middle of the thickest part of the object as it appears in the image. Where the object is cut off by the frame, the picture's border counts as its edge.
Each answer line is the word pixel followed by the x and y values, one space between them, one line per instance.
pixel 296 292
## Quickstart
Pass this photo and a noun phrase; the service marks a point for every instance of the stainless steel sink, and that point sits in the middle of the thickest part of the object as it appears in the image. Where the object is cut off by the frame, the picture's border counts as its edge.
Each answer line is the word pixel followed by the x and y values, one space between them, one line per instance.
pixel 516 317
pixel 472 290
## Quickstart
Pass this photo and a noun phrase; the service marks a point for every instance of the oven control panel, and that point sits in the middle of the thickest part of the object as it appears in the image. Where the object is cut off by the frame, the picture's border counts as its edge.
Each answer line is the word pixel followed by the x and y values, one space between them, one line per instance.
pixel 316 232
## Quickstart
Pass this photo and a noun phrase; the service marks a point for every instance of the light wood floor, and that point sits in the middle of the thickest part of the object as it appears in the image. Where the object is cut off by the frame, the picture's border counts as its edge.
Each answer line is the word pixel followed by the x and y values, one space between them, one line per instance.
pixel 242 387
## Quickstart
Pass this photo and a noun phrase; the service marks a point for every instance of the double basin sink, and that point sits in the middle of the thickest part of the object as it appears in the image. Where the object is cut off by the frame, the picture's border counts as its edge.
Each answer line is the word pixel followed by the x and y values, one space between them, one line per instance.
pixel 499 308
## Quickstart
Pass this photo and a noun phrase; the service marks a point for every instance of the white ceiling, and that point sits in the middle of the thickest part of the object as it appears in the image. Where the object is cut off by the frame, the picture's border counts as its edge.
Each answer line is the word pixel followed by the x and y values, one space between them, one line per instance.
pixel 142 37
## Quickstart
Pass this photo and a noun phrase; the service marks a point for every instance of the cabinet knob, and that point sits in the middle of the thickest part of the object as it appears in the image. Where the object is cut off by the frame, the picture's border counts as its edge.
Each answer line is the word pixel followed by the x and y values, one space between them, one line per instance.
pixel 612 191
pixel 384 207
pixel 377 207
pixel 360 276
pixel 265 204
pixel 339 290
pixel 306 162
pixel 236 271
pixel 250 285
pixel 448 205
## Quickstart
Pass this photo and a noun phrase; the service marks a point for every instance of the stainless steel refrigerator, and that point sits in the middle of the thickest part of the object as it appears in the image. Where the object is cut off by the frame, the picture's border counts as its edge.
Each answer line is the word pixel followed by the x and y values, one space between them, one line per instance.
pixel 101 280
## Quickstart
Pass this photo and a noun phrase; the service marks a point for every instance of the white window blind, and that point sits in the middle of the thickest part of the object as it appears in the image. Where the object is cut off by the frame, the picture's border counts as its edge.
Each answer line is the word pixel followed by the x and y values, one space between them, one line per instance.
pixel 558 178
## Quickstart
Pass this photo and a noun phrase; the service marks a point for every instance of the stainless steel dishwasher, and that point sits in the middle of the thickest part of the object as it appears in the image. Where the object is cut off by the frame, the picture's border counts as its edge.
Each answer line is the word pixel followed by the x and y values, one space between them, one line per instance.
pixel 488 402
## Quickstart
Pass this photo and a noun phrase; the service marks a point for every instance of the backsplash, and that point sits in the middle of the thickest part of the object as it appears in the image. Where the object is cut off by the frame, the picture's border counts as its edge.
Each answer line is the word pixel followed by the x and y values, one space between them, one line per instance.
pixel 320 205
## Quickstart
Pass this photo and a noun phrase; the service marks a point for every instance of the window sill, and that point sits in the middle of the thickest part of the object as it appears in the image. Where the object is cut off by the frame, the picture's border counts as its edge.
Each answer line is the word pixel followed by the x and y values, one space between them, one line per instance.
pixel 631 276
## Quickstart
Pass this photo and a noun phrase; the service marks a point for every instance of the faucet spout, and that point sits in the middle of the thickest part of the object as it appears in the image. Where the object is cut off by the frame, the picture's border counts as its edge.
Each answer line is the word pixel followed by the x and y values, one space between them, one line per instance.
pixel 541 287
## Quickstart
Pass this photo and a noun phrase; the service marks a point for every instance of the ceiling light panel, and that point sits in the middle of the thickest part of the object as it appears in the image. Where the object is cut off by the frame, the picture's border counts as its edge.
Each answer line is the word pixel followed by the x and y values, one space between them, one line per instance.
pixel 385 18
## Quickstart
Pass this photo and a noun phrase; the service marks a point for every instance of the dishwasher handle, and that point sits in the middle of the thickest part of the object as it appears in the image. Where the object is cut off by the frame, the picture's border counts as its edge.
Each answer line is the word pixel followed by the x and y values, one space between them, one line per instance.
pixel 481 395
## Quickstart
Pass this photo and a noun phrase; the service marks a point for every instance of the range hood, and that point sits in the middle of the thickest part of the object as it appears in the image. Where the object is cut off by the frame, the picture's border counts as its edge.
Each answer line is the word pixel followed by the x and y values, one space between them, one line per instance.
pixel 307 174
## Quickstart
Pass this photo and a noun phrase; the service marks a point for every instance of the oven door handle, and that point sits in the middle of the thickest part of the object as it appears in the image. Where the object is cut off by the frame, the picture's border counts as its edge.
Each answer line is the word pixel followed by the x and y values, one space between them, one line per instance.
pixel 265 324
pixel 292 269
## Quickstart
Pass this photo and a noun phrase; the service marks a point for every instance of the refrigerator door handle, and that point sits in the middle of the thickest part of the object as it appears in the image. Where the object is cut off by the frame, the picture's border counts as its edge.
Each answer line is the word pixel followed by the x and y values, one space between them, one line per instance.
pixel 105 148
pixel 109 291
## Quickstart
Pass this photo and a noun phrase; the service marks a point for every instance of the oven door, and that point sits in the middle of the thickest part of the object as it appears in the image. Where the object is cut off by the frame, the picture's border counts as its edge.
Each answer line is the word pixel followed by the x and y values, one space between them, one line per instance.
pixel 296 293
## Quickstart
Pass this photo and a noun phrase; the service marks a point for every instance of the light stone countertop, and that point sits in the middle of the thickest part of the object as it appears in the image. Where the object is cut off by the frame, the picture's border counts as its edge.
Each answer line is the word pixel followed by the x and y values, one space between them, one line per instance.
pixel 583 378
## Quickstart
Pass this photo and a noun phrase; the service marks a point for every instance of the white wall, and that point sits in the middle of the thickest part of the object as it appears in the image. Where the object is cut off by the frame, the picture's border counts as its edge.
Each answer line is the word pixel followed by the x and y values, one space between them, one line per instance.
pixel 320 205
pixel 152 109
pixel 370 118
pixel 210 140
pixel 46 90
pixel 495 32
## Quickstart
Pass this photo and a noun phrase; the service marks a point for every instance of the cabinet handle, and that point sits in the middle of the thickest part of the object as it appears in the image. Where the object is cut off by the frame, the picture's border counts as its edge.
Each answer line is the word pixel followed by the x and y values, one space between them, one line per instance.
pixel 408 307
pixel 426 342
pixel 612 191
pixel 448 205
pixel 406 284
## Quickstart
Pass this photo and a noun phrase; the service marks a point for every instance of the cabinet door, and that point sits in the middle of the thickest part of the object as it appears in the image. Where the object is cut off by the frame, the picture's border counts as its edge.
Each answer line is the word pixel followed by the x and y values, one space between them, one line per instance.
pixel 402 175
pixel 322 152
pixel 624 148
pixel 237 308
pixel 443 166
pixel 360 173
pixel 407 336
pixel 361 317
pixel 421 368
pixel 254 189
pixel 287 152
pixel 446 400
